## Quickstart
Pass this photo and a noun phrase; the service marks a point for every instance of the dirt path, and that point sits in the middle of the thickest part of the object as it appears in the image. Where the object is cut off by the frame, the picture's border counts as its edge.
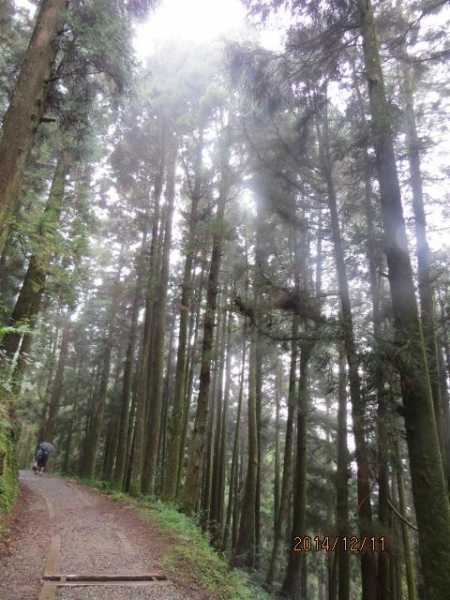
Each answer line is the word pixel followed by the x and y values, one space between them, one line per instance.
pixel 60 529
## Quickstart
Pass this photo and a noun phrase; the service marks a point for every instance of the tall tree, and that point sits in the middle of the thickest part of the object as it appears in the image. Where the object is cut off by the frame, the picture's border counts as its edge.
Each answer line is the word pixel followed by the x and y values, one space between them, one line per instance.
pixel 27 105
pixel 196 453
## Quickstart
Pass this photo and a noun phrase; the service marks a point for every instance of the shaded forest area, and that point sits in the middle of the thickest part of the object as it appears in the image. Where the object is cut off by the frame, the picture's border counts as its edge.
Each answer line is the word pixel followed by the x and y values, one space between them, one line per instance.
pixel 223 283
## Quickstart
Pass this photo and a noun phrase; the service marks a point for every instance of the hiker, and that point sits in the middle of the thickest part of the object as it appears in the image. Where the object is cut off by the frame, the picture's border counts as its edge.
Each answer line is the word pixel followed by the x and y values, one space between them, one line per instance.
pixel 41 457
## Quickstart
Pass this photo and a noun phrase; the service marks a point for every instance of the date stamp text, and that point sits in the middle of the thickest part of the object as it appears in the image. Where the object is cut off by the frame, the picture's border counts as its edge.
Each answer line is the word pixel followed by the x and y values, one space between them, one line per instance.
pixel 333 543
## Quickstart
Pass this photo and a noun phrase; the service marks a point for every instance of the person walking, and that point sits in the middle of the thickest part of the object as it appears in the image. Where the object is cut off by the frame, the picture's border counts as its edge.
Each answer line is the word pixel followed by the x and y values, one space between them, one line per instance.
pixel 41 457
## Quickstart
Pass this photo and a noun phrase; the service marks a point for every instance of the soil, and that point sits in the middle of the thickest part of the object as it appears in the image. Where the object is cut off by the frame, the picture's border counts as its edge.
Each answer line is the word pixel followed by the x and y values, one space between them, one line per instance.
pixel 59 528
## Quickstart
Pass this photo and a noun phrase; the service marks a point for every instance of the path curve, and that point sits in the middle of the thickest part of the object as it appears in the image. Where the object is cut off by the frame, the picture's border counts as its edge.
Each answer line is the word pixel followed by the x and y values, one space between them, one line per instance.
pixel 61 528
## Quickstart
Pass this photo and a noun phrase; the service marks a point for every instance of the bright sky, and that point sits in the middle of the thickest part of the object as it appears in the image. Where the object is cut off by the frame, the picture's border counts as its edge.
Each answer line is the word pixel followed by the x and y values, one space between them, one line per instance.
pixel 196 20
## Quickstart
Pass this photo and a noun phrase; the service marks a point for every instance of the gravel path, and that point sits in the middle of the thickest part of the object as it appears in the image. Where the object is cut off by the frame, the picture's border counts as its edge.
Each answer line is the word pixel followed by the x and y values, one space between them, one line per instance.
pixel 63 528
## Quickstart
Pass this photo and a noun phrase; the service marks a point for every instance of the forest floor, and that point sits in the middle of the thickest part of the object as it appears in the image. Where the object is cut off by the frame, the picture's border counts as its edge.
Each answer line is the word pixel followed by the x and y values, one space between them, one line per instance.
pixel 58 528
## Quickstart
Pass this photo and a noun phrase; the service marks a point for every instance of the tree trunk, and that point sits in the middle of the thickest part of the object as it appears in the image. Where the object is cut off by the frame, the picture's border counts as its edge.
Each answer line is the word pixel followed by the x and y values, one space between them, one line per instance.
pixel 342 477
pixel 118 479
pixel 296 567
pixel 427 473
pixel 17 346
pixel 245 554
pixel 156 365
pixel 27 105
pixel 176 422
pixel 232 495
pixel 137 465
pixel 92 439
pixel 55 399
pixel 368 559
pixel 282 514
pixel 195 463
pixel 426 295
pixel 218 475
pixel 409 565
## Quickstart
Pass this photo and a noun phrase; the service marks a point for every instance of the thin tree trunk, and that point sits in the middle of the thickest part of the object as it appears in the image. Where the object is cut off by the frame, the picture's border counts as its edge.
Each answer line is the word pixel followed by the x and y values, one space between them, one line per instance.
pixel 176 423
pixel 55 399
pixel 92 440
pixel 159 326
pixel 118 478
pixel 232 497
pixel 409 565
pixel 368 559
pixel 245 554
pixel 282 515
pixel 137 465
pixel 296 567
pixel 195 463
pixel 342 477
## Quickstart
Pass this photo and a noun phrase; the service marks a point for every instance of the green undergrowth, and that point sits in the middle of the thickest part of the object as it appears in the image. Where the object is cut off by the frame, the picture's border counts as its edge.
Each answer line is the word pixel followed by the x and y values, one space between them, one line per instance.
pixel 203 563
pixel 8 467
pixel 189 556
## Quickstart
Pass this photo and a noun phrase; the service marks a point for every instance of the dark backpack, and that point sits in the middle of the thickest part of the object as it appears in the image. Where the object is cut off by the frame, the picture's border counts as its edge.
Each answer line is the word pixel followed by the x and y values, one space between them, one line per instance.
pixel 42 453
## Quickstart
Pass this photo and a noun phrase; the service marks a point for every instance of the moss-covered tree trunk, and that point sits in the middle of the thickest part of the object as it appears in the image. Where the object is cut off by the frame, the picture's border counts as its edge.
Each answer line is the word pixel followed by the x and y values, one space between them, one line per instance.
pixel 426 294
pixel 427 473
pixel 27 105
pixel 28 304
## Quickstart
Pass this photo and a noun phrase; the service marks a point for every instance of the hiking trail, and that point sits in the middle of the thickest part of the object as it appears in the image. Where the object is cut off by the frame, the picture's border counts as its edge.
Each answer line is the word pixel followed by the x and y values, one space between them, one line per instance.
pixel 69 542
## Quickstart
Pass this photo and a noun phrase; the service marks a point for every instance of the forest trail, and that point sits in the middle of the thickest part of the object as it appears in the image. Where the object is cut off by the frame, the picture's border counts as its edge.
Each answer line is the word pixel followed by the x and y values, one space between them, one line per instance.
pixel 59 528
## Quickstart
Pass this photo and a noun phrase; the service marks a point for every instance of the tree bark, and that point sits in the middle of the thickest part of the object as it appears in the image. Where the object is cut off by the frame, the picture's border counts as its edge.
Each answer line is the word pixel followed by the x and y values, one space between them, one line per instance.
pixel 282 514
pixel 195 463
pixel 159 325
pixel 93 435
pixel 427 473
pixel 245 554
pixel 176 422
pixel 368 559
pixel 137 465
pixel 28 305
pixel 118 479
pixel 27 105
pixel 342 477
pixel 294 578
pixel 56 393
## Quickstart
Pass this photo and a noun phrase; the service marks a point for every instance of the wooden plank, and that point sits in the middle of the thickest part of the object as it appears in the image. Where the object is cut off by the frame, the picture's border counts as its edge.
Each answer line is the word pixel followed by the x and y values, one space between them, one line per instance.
pixel 53 556
pixel 104 576
pixel 48 592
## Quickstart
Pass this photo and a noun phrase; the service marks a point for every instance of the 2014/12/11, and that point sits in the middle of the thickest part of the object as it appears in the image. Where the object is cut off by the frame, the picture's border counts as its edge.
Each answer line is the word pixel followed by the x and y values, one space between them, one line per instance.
pixel 330 543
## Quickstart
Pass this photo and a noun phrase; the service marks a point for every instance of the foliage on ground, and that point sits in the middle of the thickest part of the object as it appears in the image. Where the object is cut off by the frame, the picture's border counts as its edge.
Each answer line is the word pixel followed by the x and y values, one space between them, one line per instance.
pixel 207 566
pixel 8 468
